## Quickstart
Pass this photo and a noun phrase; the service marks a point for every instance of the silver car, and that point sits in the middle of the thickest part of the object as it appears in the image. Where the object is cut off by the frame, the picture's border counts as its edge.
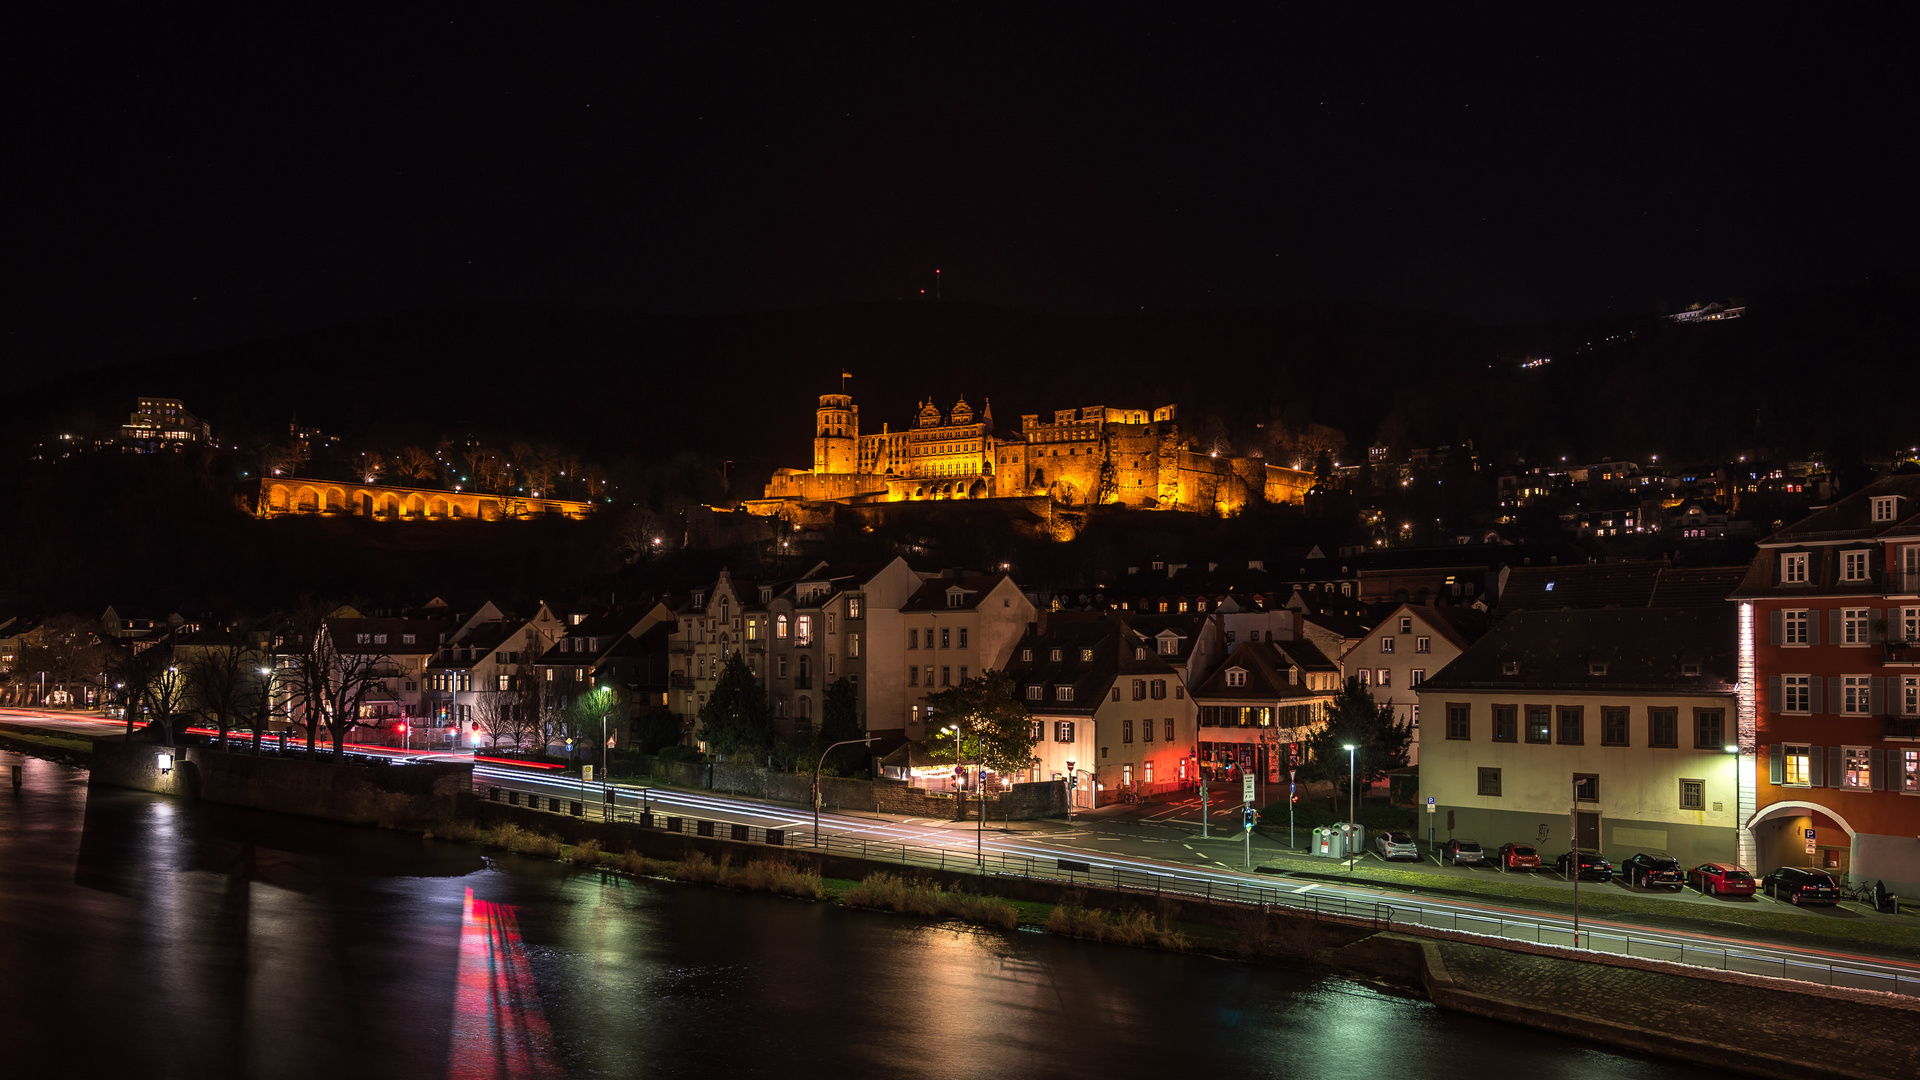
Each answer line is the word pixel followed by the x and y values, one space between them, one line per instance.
pixel 1396 845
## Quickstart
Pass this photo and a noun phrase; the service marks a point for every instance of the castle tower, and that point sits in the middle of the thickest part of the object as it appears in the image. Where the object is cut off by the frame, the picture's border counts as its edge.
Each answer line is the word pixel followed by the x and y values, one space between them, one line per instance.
pixel 836 435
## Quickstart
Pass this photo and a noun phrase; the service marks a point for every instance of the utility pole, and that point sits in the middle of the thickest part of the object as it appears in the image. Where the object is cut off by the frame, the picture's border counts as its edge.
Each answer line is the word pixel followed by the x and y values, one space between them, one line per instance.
pixel 867 741
pixel 1203 807
pixel 1574 859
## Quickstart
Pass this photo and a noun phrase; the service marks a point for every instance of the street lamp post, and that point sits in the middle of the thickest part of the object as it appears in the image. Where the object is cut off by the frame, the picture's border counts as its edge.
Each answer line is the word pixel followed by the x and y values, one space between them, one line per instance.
pixel 1353 755
pixel 266 707
pixel 979 835
pixel 1575 860
pixel 866 741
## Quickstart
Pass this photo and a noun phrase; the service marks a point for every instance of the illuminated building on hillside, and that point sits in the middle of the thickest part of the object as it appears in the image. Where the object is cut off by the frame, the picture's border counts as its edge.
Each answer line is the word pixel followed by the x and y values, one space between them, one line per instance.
pixel 1086 456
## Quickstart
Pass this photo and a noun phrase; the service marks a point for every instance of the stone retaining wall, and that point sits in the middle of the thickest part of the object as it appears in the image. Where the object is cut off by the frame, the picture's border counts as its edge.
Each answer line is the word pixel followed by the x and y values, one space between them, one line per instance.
pixel 320 789
pixel 1024 802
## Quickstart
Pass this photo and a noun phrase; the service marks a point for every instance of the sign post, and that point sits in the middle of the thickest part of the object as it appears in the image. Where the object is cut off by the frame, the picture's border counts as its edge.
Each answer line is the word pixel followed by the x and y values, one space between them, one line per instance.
pixel 1292 795
pixel 1810 845
pixel 1432 809
pixel 1246 812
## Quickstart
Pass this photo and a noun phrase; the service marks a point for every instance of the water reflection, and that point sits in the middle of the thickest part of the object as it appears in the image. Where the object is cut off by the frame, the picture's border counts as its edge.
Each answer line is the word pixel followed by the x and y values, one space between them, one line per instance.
pixel 499 1029
pixel 156 938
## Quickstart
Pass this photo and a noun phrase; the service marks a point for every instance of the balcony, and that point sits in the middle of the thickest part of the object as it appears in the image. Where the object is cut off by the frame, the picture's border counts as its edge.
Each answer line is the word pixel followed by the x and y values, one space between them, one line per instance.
pixel 1905 728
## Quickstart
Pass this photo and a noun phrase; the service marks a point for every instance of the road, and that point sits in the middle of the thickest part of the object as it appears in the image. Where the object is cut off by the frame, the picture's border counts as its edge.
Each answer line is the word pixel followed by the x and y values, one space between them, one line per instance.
pixel 1163 842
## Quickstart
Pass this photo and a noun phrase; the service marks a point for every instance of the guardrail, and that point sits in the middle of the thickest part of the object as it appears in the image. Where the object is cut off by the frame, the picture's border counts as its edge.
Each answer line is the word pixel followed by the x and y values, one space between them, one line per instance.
pixel 958 860
pixel 1406 915
pixel 1651 947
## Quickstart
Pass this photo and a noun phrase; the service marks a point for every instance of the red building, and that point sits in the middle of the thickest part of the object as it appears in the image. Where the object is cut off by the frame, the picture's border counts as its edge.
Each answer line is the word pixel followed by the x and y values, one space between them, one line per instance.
pixel 1830 690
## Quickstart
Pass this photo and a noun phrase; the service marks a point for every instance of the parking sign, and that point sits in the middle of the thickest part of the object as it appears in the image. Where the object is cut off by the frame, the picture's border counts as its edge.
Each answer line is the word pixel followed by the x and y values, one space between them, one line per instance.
pixel 1246 788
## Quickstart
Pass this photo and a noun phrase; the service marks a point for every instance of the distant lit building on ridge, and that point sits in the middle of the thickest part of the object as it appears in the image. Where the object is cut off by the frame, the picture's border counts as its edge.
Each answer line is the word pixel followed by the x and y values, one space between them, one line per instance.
pixel 162 424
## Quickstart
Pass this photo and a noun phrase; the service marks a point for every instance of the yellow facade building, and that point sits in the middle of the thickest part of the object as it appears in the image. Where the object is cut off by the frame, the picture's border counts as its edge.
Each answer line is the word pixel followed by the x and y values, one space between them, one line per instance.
pixel 1092 455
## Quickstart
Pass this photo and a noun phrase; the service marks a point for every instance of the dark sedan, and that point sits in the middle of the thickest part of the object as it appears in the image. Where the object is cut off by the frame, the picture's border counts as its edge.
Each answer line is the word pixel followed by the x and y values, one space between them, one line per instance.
pixel 1801 886
pixel 1593 867
pixel 1648 871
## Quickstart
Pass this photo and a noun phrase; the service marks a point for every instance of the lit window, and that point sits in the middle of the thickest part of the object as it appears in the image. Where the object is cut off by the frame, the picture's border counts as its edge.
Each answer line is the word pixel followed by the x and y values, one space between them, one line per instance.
pixel 1856 768
pixel 1386 644
pixel 1383 677
pixel 1693 794
pixel 780 627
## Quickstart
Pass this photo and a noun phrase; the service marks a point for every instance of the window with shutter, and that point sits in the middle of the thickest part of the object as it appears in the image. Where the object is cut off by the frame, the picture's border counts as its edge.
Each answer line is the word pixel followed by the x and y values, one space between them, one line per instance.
pixel 1776 765
pixel 1816 766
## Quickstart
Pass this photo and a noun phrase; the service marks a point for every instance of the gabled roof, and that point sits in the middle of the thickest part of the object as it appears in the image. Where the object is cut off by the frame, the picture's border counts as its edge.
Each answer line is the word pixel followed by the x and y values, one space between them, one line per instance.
pixel 346 636
pixel 1617 585
pixel 1267 671
pixel 1644 650
pixel 1092 651
pixel 1346 626
pixel 1851 518
pixel 973 589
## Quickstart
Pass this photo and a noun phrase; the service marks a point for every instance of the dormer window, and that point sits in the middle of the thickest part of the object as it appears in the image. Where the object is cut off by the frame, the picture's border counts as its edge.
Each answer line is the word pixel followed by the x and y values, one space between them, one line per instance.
pixel 1883 508
pixel 1169 646
pixel 1510 667
pixel 1597 668
pixel 766 595
pixel 1026 656
pixel 1853 566
pixel 1690 668
pixel 1054 655
pixel 1086 655
pixel 1793 568
pixel 1236 676
pixel 1139 654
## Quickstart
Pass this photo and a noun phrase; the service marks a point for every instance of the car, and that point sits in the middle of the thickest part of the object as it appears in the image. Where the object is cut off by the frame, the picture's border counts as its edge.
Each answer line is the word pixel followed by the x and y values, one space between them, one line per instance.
pixel 1518 857
pixel 1396 845
pixel 1798 885
pixel 1721 879
pixel 1650 869
pixel 1593 866
pixel 1463 851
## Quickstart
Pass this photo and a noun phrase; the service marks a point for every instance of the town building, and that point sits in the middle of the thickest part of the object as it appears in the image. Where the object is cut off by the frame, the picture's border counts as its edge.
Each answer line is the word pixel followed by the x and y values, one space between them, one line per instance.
pixel 1617 719
pixel 1830 631
pixel 596 649
pixel 955 626
pixel 487 661
pixel 836 623
pixel 1110 710
pixel 718 617
pixel 1411 643
pixel 1086 456
pixel 1258 708
pixel 406 645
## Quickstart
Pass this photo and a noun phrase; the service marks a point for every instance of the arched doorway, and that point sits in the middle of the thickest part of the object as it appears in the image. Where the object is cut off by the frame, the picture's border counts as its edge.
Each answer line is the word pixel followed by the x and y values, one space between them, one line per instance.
pixel 1779 837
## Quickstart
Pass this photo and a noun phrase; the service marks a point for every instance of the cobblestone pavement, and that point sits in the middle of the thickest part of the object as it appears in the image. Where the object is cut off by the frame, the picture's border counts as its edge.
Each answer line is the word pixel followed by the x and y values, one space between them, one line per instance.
pixel 1846 1036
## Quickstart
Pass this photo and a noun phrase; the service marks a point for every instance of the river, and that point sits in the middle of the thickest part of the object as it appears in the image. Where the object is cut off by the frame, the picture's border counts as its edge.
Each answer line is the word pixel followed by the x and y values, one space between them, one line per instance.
pixel 150 937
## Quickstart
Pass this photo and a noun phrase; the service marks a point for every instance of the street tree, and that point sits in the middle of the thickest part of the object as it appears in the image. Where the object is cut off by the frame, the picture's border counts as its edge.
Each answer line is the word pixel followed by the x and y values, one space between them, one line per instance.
pixel 222 679
pixel 163 693
pixel 840 721
pixel 591 714
pixel 995 729
pixel 64 649
pixel 498 714
pixel 735 719
pixel 329 685
pixel 1355 719
pixel 416 464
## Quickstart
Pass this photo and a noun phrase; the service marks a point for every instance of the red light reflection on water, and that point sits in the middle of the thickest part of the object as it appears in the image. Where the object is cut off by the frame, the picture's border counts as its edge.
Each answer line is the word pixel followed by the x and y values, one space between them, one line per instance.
pixel 499 1029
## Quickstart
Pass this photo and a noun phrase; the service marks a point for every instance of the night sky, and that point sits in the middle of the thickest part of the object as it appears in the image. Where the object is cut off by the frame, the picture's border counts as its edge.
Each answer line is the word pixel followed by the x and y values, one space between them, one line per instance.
pixel 184 181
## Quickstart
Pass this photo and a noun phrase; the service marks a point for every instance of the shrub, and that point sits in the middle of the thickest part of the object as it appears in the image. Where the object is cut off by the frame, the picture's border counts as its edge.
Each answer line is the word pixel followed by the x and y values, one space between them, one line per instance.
pixel 538 845
pixel 506 837
pixel 697 868
pixel 462 831
pixel 638 865
pixel 985 910
pixel 585 853
pixel 1131 927
pixel 782 878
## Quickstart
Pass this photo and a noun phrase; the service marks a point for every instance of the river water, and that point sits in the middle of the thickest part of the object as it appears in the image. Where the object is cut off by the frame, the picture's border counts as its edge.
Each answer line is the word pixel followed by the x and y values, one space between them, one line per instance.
pixel 149 937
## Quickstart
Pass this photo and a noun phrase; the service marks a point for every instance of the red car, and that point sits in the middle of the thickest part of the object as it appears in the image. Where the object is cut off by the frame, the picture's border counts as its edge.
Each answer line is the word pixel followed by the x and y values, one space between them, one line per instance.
pixel 1721 879
pixel 1519 857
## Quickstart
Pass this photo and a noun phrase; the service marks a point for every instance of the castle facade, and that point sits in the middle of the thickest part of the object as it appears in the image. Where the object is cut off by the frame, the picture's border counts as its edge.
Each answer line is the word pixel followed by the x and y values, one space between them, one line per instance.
pixel 1092 455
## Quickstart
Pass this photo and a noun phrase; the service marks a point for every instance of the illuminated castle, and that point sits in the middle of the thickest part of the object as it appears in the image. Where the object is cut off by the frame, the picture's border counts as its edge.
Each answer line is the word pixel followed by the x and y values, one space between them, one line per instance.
pixel 1091 455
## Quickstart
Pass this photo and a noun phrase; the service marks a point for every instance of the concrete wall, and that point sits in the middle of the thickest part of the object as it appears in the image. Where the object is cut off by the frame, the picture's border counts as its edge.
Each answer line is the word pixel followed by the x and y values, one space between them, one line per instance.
pixel 319 789
pixel 1023 802
pixel 1892 859
pixel 1620 837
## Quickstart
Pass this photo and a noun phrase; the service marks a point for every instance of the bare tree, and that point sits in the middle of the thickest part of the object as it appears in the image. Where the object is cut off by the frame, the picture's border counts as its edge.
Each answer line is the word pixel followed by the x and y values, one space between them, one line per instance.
pixel 65 647
pixel 163 692
pixel 496 713
pixel 329 685
pixel 222 682
pixel 416 464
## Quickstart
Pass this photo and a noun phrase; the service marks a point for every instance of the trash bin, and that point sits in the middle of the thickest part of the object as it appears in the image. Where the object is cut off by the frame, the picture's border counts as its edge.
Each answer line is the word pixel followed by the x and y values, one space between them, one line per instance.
pixel 1330 843
pixel 1356 836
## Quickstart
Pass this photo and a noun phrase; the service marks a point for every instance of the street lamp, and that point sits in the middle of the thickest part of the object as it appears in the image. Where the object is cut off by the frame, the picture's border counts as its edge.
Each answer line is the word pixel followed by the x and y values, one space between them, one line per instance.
pixel 866 741
pixel 1353 755
pixel 979 833
pixel 1073 787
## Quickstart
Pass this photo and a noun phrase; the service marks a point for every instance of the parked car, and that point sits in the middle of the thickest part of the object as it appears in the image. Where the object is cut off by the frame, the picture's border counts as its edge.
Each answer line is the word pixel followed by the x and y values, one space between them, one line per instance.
pixel 1519 857
pixel 1799 886
pixel 1721 879
pixel 1396 845
pixel 1463 851
pixel 1647 870
pixel 1593 867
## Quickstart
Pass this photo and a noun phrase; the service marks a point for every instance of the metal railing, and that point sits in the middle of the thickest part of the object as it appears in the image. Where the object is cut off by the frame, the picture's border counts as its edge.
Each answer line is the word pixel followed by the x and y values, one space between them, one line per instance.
pixel 1406 914
pixel 1648 946
pixel 961 860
